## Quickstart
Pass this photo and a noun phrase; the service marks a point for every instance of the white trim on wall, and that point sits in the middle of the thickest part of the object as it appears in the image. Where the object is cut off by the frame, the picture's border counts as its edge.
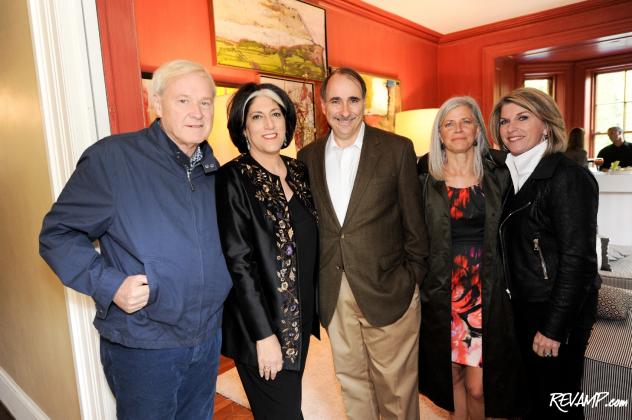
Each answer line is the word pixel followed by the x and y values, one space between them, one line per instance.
pixel 17 401
pixel 67 54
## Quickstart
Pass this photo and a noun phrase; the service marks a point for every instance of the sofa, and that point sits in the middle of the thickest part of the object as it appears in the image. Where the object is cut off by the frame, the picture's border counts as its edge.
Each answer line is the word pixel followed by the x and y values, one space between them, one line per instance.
pixel 608 358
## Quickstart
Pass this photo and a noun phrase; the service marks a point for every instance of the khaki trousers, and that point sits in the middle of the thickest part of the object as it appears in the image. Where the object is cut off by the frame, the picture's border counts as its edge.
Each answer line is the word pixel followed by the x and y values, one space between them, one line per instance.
pixel 376 367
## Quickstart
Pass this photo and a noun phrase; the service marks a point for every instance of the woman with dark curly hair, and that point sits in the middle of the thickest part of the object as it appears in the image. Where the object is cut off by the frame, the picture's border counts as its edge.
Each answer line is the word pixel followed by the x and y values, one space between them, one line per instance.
pixel 547 238
pixel 269 237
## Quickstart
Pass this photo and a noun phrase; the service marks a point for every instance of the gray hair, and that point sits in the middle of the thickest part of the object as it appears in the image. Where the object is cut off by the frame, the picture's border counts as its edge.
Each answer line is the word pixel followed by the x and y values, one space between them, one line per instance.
pixel 173 69
pixel 437 155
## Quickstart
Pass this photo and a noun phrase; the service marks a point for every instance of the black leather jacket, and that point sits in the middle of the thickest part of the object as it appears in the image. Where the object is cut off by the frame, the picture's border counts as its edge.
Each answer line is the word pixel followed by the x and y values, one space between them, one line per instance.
pixel 548 233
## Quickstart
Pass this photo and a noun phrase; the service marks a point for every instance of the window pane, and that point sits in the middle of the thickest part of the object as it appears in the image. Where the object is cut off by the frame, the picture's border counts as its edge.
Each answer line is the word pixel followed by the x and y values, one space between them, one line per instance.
pixel 541 84
pixel 610 87
pixel 628 86
pixel 627 120
pixel 601 141
pixel 607 116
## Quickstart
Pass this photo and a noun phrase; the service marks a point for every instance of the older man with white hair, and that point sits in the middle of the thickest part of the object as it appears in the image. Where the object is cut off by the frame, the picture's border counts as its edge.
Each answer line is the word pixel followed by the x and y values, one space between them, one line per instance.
pixel 160 280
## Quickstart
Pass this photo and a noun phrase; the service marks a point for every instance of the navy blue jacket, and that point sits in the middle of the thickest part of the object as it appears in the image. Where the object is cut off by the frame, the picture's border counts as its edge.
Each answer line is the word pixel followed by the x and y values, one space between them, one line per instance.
pixel 132 194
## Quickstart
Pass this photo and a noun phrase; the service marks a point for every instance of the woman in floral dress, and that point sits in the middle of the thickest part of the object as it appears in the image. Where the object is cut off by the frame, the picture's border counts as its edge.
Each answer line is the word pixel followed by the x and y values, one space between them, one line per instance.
pixel 468 358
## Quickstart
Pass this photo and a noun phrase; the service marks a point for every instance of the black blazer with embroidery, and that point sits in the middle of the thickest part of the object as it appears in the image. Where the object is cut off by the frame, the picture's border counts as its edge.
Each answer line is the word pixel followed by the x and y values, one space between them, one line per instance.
pixel 257 240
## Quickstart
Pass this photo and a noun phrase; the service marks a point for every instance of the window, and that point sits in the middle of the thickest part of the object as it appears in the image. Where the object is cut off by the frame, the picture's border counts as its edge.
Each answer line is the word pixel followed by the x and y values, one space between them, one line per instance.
pixel 543 84
pixel 613 105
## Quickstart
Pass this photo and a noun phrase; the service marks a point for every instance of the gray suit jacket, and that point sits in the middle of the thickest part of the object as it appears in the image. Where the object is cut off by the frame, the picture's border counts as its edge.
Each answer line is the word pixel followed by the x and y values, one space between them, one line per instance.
pixel 382 244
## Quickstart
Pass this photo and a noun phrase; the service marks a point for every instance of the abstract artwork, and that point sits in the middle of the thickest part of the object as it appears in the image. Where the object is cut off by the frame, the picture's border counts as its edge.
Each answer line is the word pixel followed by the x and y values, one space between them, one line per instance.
pixel 302 95
pixel 284 37
pixel 383 100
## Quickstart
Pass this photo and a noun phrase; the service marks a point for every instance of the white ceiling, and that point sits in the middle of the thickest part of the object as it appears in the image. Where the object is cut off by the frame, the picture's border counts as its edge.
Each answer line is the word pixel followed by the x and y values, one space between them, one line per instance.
pixel 447 16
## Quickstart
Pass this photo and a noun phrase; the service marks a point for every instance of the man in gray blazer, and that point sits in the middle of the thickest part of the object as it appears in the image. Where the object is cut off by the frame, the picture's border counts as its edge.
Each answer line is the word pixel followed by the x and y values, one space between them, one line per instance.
pixel 373 251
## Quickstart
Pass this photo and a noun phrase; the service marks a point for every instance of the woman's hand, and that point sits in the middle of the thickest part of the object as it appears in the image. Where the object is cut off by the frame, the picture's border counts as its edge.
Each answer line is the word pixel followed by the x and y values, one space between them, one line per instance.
pixel 269 357
pixel 544 346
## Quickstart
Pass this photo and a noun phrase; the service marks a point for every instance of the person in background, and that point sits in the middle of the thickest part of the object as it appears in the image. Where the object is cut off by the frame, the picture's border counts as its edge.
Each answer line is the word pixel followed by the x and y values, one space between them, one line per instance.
pixel 575 149
pixel 620 150
pixel 160 280
pixel 373 252
pixel 270 239
pixel 547 238
pixel 466 321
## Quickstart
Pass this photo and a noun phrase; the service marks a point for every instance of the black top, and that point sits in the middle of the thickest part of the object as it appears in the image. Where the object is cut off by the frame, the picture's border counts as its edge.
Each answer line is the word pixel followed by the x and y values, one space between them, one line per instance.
pixel 306 239
pixel 467 215
pixel 613 153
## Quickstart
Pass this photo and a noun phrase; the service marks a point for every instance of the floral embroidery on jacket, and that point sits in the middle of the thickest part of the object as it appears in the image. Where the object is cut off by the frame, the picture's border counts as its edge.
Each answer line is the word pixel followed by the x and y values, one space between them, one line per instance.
pixel 270 193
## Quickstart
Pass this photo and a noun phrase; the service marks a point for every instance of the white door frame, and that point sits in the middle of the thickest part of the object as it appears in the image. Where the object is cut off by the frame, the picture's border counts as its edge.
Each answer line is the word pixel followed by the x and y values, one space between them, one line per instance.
pixel 68 61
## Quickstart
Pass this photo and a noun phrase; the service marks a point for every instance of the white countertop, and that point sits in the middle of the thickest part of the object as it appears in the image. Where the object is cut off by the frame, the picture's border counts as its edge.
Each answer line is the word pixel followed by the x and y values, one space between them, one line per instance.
pixel 614 182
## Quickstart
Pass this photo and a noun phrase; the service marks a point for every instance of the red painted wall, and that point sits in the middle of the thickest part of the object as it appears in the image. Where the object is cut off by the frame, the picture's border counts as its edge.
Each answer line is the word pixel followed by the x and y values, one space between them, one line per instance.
pixel 394 48
pixel 467 59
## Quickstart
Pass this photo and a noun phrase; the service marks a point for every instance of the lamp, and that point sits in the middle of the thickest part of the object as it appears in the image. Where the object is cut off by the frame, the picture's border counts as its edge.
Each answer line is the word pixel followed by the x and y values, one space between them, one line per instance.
pixel 417 126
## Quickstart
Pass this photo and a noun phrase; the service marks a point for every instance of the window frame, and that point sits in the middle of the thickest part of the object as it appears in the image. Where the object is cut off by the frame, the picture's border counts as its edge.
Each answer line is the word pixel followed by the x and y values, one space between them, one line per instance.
pixel 593 103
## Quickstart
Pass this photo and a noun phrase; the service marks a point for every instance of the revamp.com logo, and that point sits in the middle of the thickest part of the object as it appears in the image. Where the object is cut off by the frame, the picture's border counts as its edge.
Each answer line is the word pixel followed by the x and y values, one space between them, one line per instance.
pixel 564 400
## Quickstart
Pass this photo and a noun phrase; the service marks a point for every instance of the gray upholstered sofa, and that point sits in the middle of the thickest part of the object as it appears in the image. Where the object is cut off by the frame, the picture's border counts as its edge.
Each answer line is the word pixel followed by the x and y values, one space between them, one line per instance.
pixel 608 360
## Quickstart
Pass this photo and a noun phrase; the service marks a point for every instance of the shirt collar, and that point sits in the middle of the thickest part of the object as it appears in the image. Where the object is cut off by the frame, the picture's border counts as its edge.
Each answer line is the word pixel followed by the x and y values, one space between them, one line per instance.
pixel 203 154
pixel 521 166
pixel 332 145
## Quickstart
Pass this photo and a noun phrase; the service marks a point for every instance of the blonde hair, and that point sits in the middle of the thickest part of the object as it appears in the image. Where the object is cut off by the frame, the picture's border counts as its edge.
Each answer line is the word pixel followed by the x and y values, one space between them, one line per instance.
pixel 173 69
pixel 542 106
pixel 437 155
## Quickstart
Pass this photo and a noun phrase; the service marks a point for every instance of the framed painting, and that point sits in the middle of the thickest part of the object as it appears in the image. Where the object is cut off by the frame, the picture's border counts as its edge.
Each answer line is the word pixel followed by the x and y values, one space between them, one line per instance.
pixel 285 37
pixel 148 111
pixel 223 148
pixel 383 100
pixel 302 95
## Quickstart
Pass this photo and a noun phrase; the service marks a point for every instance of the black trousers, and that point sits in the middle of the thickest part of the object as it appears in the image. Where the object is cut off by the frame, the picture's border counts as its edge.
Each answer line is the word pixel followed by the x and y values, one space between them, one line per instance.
pixel 552 380
pixel 278 399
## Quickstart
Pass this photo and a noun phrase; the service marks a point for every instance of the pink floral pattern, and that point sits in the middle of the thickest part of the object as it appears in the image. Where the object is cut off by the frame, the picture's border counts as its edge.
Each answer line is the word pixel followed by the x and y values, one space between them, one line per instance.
pixel 467 322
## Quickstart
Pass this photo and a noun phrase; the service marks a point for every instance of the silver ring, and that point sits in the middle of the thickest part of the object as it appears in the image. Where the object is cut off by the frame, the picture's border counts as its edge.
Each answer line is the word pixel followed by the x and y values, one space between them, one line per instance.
pixel 548 354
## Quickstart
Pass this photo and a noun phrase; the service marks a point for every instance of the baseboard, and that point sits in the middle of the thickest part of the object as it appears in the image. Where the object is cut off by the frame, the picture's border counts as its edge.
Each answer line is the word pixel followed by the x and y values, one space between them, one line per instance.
pixel 21 406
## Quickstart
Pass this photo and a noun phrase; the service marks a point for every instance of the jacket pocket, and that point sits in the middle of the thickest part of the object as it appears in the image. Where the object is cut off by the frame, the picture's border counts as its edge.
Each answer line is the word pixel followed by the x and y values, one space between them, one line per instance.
pixel 166 296
pixel 537 248
pixel 390 261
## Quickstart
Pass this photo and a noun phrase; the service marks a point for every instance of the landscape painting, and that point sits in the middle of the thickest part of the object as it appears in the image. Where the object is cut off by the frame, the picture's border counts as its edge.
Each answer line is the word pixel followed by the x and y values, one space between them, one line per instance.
pixel 302 95
pixel 284 37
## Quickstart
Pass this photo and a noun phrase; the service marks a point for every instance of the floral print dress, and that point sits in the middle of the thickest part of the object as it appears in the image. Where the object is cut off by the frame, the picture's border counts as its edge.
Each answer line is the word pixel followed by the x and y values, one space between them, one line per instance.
pixel 467 217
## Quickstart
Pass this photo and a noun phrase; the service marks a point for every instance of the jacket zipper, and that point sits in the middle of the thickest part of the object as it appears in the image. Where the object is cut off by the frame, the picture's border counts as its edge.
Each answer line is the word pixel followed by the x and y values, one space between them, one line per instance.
pixel 502 246
pixel 538 250
pixel 189 177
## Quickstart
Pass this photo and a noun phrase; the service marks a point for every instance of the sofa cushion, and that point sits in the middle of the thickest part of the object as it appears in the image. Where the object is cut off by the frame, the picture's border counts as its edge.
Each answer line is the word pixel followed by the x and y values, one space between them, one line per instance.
pixel 614 303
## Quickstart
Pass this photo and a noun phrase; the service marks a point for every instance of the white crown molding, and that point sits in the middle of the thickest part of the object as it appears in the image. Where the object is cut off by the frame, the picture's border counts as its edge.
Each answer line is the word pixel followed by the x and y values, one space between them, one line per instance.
pixel 74 112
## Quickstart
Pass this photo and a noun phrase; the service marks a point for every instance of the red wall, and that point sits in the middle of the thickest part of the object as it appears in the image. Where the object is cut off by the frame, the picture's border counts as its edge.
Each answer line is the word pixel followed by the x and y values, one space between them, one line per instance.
pixel 393 47
pixel 467 59
pixel 138 34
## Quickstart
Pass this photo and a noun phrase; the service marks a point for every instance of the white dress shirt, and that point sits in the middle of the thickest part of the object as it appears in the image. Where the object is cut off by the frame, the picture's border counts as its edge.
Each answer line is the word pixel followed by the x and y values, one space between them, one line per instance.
pixel 341 167
pixel 521 167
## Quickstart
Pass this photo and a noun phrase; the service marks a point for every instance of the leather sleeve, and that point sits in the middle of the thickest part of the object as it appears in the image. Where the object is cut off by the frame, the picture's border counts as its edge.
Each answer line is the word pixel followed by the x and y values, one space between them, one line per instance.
pixel 573 198
pixel 235 227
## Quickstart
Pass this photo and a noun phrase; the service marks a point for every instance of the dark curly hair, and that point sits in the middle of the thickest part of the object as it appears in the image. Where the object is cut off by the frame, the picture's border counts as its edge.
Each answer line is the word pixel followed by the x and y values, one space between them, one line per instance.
pixel 238 109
